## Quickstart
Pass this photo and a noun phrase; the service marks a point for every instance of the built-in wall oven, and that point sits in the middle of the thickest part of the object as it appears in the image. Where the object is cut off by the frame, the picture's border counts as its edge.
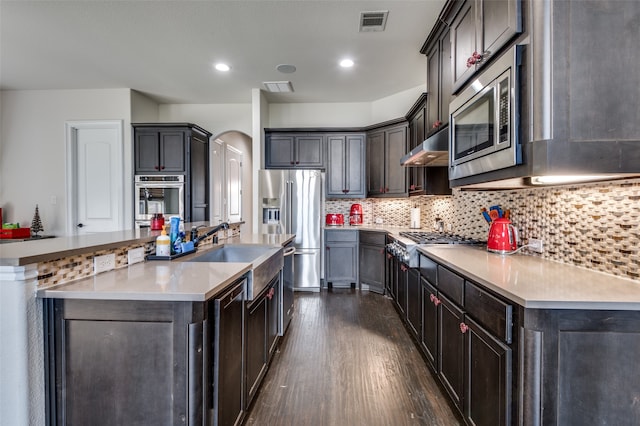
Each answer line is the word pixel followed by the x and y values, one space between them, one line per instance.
pixel 158 194
pixel 484 122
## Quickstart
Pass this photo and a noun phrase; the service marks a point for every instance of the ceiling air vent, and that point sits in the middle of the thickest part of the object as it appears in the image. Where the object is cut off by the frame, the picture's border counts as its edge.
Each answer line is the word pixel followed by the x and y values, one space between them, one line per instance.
pixel 373 21
pixel 278 86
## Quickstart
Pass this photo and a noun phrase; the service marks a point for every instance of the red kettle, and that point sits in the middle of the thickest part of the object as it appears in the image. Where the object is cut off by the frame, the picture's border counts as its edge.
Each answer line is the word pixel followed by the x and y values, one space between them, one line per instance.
pixel 503 236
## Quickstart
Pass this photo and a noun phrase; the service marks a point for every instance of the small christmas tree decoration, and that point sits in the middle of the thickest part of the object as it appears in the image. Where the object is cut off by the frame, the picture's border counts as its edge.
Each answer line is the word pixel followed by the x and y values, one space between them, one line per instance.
pixel 36 223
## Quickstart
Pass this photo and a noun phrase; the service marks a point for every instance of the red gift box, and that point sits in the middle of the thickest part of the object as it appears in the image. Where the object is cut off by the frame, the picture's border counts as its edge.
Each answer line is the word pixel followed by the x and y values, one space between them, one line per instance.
pixel 15 233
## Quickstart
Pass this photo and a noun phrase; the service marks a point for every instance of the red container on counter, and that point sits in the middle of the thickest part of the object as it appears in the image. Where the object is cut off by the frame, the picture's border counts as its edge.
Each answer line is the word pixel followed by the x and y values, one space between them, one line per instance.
pixel 157 222
pixel 15 233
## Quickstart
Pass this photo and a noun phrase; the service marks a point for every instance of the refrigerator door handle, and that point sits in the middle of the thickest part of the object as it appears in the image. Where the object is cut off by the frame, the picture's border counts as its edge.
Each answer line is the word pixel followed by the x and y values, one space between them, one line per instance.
pixel 289 251
pixel 290 206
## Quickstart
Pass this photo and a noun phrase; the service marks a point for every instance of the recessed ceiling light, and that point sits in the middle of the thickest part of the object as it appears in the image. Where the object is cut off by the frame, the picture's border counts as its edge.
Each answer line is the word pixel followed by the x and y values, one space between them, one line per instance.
pixel 286 68
pixel 222 67
pixel 346 63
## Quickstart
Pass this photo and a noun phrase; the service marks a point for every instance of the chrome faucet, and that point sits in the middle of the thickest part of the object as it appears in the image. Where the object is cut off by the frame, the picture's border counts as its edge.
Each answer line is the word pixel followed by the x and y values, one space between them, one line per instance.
pixel 194 232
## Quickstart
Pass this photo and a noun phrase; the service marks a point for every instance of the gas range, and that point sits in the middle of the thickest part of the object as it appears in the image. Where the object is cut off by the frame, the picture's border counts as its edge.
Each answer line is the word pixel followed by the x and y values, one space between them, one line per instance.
pixel 407 251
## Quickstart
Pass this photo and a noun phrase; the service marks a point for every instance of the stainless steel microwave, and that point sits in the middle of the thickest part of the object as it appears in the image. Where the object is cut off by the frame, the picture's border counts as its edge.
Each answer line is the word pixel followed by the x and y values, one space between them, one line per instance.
pixel 484 123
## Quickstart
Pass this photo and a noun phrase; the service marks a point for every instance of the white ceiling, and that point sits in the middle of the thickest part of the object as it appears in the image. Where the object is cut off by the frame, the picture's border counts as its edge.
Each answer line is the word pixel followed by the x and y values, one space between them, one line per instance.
pixel 166 49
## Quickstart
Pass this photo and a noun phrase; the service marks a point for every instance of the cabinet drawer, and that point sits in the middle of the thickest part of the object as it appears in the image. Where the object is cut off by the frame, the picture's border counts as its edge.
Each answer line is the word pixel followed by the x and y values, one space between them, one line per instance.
pixel 373 238
pixel 429 270
pixel 341 236
pixel 494 314
pixel 451 284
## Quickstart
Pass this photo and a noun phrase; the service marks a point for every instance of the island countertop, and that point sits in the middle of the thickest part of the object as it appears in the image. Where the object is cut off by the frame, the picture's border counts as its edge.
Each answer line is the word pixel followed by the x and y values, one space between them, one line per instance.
pixel 153 281
pixel 538 283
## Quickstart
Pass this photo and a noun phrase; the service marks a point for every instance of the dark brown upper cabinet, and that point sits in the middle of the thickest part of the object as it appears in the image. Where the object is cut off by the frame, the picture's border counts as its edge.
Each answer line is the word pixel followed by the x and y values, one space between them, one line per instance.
pixel 346 166
pixel 480 29
pixel 294 150
pixel 385 147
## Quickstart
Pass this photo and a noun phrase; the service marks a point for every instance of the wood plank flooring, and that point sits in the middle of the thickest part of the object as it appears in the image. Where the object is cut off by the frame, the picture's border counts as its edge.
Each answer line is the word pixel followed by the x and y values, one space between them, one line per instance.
pixel 348 360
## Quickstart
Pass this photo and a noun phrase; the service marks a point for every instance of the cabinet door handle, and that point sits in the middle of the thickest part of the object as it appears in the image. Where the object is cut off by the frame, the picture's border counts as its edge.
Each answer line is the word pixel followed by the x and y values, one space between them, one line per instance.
pixel 382 251
pixel 463 328
pixel 436 301
pixel 292 162
pixel 157 167
pixel 436 124
pixel 161 167
pixel 404 268
pixel 389 255
pixel 297 162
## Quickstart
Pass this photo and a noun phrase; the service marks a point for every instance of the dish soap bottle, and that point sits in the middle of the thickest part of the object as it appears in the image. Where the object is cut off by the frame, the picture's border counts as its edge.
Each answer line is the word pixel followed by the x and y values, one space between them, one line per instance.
pixel 163 244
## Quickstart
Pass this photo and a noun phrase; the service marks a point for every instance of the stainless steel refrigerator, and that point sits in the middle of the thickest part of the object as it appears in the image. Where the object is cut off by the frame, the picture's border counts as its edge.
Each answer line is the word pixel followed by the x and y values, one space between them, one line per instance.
pixel 291 203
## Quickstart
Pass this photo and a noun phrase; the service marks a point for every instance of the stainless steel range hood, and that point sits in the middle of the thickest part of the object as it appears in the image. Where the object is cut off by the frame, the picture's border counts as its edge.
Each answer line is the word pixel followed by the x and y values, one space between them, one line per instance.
pixel 433 152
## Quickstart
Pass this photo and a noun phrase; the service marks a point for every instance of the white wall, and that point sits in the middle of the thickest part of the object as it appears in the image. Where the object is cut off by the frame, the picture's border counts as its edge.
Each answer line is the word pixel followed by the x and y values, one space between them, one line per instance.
pixel 216 118
pixel 143 109
pixel 395 106
pixel 359 114
pixel 319 115
pixel 33 163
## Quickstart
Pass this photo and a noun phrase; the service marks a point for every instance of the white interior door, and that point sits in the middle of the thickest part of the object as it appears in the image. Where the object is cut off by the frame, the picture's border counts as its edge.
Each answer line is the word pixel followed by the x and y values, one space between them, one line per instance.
pixel 95 191
pixel 234 183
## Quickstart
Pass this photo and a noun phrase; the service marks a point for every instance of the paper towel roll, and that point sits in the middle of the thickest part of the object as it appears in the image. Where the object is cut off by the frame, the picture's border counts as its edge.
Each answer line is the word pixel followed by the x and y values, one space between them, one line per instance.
pixel 415 218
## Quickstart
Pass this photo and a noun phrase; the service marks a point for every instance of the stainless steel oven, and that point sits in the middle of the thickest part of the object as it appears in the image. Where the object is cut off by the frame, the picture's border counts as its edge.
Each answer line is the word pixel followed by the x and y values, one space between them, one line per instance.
pixel 154 194
pixel 485 120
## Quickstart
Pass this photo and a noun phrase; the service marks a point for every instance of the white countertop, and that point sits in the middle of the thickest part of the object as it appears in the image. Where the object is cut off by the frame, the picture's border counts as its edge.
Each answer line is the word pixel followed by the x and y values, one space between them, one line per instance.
pixel 153 281
pixel 533 282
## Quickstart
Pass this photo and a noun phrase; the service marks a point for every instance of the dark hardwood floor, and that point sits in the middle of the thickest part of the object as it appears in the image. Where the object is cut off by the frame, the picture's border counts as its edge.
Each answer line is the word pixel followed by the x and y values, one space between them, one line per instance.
pixel 348 360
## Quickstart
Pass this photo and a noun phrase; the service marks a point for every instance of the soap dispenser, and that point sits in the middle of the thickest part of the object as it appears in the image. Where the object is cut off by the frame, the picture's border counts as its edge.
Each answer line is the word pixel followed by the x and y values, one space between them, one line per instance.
pixel 163 244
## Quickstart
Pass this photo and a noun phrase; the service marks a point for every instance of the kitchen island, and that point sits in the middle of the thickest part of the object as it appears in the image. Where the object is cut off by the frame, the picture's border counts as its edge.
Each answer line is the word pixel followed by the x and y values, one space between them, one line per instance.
pixel 29 267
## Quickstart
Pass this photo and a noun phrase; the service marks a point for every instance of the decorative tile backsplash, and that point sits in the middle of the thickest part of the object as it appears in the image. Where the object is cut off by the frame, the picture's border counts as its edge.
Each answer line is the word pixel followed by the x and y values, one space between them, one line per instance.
pixel 596 226
pixel 73 268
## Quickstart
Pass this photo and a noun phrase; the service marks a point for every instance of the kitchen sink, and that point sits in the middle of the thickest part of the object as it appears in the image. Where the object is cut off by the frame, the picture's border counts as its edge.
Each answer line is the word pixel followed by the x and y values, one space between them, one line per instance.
pixel 266 262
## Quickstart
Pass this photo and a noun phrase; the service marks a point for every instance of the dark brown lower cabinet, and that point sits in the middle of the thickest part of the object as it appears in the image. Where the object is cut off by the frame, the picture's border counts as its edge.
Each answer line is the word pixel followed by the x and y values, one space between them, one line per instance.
pixel 111 362
pixel 256 344
pixel 451 348
pixel 263 318
pixel 429 340
pixel 228 359
pixel 488 378
pixel 401 288
pixel 580 367
pixel 414 303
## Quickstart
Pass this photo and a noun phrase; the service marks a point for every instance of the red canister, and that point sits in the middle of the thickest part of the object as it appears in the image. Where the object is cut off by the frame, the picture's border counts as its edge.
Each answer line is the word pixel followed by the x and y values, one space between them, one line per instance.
pixel 157 222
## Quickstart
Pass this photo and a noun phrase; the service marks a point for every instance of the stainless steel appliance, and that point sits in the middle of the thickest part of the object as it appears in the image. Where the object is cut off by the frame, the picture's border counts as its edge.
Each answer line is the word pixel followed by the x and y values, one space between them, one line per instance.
pixel 405 248
pixel 485 118
pixel 287 288
pixel 291 203
pixel 158 194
